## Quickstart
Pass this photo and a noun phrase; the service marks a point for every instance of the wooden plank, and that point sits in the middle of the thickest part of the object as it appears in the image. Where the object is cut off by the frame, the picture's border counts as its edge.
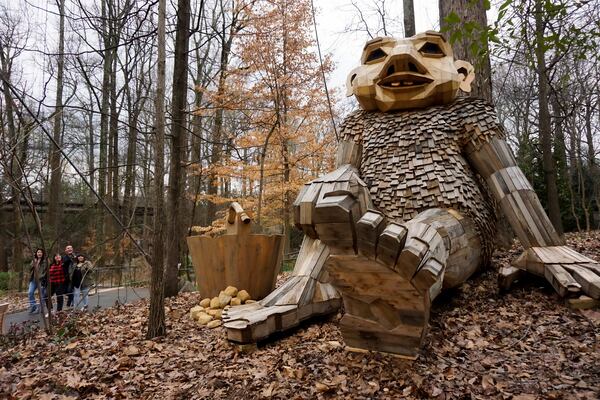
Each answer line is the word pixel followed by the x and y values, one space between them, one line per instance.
pixel 514 217
pixel 411 257
pixel 592 267
pixel 391 242
pixel 308 203
pixel 583 302
pixel 348 152
pixel 368 229
pixel 334 209
pixel 338 236
pixel 528 222
pixel 561 280
pixel 536 207
pixel 589 281
pixel 309 250
pixel 428 275
pixel 3 309
pixel 507 276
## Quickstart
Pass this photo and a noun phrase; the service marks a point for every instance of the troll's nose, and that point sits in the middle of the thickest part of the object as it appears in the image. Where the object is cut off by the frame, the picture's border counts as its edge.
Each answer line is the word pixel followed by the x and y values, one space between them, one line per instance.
pixel 402 62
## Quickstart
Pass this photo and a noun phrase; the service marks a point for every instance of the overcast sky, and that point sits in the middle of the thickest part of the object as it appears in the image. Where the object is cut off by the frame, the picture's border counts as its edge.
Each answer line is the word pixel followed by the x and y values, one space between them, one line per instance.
pixel 337 21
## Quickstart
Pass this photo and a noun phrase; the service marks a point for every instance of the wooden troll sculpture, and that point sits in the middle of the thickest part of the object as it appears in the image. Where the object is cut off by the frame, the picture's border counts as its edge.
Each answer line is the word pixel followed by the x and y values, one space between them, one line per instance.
pixel 411 208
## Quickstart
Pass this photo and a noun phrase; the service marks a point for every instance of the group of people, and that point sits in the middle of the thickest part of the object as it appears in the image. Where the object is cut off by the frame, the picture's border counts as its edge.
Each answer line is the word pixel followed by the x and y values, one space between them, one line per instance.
pixel 67 275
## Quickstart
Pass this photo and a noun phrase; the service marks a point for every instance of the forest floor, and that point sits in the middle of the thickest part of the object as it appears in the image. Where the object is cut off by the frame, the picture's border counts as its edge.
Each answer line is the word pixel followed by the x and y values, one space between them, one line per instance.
pixel 17 301
pixel 525 344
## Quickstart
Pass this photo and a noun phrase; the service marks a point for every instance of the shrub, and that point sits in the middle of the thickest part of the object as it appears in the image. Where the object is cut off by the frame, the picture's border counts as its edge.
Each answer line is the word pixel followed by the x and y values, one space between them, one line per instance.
pixel 5 278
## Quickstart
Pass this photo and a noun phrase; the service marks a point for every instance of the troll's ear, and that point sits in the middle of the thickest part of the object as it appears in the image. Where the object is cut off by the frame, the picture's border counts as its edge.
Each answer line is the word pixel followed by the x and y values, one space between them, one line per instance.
pixel 467 74
pixel 349 80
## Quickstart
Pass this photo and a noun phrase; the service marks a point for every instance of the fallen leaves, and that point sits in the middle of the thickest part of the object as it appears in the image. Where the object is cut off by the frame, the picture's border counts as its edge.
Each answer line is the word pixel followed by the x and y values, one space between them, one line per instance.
pixel 523 345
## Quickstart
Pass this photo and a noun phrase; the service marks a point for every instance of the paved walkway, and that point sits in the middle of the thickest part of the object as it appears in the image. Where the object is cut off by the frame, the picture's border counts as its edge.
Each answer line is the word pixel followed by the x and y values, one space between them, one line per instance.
pixel 105 298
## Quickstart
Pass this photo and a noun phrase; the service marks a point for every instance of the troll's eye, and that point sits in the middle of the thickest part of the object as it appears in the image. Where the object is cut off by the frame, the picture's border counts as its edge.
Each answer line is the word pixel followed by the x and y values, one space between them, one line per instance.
pixel 431 49
pixel 375 55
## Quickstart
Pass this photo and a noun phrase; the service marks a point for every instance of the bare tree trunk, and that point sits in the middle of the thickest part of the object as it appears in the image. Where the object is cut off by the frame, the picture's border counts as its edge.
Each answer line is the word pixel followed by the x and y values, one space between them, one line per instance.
pixel 104 118
pixel 113 134
pixel 544 123
pixel 148 201
pixel 156 317
pixel 175 225
pixel 469 11
pixel 409 18
pixel 217 131
pixel 196 142
pixel 133 114
pixel 261 180
pixel 55 167
pixel 91 144
pixel 15 173
pixel 591 152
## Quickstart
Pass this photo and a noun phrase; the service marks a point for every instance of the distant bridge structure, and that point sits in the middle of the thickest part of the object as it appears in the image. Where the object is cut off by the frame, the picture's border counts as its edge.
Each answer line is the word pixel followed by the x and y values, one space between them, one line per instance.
pixel 70 207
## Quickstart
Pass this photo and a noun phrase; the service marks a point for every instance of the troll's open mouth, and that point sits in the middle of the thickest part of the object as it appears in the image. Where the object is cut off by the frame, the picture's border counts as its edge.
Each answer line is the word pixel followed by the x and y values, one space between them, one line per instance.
pixel 404 80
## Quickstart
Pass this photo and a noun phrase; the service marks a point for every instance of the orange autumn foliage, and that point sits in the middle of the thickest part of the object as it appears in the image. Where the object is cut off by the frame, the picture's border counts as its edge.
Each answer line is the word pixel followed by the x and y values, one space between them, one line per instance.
pixel 279 129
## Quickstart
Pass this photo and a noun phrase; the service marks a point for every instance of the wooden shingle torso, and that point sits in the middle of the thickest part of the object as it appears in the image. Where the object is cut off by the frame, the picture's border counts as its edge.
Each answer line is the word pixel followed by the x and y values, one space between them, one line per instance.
pixel 414 160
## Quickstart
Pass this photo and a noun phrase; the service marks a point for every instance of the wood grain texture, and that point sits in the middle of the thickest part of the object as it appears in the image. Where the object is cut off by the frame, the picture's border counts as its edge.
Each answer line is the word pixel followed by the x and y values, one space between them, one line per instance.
pixel 3 309
pixel 238 258
pixel 401 76
pixel 383 311
pixel 305 294
pixel 416 160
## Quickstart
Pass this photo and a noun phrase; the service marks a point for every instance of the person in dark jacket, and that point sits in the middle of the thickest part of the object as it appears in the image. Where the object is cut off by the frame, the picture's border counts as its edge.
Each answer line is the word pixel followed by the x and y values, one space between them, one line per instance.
pixel 81 275
pixel 68 259
pixel 58 280
pixel 39 264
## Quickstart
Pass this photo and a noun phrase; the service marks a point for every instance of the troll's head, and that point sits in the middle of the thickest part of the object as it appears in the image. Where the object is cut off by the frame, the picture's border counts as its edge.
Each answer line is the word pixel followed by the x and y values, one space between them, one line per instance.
pixel 417 72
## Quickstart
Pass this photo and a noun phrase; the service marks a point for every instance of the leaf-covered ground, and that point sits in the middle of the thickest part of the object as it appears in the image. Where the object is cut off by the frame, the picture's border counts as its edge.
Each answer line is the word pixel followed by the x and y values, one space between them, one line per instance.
pixel 16 301
pixel 522 345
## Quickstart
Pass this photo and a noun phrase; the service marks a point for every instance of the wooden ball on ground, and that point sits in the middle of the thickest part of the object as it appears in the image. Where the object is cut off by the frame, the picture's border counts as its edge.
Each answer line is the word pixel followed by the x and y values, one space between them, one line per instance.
pixel 204 318
pixel 195 311
pixel 224 299
pixel 214 324
pixel 231 291
pixel 214 302
pixel 243 296
pixel 205 303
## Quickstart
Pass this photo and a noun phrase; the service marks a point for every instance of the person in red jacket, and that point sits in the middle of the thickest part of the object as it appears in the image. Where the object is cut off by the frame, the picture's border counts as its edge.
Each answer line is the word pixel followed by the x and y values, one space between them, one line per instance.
pixel 58 278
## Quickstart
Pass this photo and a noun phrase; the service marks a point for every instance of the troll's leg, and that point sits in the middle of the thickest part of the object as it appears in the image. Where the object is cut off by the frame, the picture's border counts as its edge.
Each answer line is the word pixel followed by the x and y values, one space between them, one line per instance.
pixel 305 294
pixel 388 287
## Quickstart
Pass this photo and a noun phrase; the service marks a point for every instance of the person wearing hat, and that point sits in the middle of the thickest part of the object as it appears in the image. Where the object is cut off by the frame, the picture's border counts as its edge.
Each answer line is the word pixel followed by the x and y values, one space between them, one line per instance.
pixel 81 278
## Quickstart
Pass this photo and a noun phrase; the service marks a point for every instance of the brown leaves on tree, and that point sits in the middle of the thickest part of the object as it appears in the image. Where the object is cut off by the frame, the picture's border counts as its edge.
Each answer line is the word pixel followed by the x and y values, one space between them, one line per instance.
pixel 523 345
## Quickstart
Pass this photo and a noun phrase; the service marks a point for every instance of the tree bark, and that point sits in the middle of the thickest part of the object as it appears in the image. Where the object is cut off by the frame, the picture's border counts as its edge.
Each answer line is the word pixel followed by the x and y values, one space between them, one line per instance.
pixel 55 167
pixel 15 173
pixel 156 317
pixel 409 18
pixel 544 123
pixel 217 131
pixel 104 118
pixel 175 225
pixel 469 11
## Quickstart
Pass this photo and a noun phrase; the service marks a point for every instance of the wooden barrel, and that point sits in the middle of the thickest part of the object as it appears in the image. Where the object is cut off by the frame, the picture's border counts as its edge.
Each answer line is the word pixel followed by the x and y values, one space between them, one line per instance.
pixel 245 261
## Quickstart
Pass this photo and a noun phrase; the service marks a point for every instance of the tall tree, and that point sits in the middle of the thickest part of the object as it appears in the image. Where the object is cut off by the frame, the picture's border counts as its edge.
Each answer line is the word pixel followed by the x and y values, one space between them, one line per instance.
pixel 465 22
pixel 409 18
pixel 175 203
pixel 544 120
pixel 231 24
pixel 55 165
pixel 156 317
pixel 14 141
pixel 280 86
